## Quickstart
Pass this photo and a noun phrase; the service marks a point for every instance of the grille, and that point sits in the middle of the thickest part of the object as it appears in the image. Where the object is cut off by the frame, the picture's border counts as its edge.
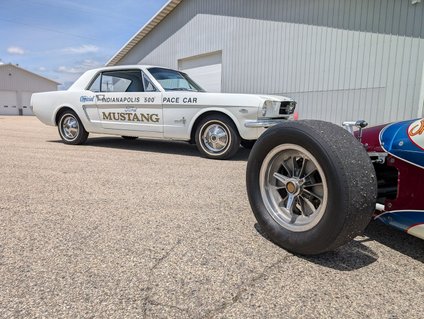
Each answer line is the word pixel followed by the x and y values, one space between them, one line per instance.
pixel 287 107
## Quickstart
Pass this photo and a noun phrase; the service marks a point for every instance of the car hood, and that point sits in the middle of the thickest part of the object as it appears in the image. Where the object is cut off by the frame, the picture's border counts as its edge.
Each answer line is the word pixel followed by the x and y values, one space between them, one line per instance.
pixel 277 98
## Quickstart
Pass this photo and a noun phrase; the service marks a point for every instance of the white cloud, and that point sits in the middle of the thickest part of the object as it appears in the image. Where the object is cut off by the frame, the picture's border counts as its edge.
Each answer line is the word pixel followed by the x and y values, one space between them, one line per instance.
pixel 82 67
pixel 42 68
pixel 65 69
pixel 85 48
pixel 15 50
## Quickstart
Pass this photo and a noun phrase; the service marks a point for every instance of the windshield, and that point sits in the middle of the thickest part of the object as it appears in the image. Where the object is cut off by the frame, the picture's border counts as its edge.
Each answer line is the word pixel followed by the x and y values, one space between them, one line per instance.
pixel 172 80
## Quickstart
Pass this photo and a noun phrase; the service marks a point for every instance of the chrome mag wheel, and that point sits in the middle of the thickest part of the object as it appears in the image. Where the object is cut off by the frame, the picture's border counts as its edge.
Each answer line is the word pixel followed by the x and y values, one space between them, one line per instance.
pixel 293 187
pixel 69 127
pixel 215 137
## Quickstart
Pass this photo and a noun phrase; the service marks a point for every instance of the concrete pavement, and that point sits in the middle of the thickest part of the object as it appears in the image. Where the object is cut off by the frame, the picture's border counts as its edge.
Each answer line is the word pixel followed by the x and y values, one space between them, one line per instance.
pixel 119 228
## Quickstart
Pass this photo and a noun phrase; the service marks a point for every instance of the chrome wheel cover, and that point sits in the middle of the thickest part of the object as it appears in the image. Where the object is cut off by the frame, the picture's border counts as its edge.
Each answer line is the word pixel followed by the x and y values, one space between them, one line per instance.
pixel 215 137
pixel 293 187
pixel 69 127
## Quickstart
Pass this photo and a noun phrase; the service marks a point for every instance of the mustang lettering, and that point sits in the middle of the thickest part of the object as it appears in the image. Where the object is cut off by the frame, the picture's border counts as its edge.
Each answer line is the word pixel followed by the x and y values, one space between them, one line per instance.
pixel 131 117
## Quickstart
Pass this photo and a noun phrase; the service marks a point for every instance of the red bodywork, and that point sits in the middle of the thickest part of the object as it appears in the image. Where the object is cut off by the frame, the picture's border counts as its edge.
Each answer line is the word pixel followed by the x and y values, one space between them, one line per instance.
pixel 410 177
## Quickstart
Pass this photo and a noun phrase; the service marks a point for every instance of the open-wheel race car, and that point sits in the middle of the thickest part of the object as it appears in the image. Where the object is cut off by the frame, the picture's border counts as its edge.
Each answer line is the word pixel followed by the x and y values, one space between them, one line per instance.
pixel 313 186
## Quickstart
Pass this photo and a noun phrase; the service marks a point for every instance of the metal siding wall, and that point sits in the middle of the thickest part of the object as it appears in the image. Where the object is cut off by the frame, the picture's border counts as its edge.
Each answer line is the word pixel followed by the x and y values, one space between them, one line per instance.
pixel 23 81
pixel 340 59
pixel 23 84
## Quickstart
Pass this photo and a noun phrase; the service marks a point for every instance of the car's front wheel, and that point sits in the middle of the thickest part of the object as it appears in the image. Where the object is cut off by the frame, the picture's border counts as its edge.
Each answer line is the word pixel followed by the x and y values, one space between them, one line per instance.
pixel 311 186
pixel 71 129
pixel 217 137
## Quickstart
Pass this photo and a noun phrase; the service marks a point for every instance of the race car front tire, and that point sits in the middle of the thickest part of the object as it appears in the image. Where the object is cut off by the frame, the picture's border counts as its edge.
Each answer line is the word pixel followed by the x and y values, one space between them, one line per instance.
pixel 311 186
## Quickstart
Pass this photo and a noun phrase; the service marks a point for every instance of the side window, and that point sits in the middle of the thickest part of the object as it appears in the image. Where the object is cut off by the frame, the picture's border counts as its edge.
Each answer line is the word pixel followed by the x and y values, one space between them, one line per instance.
pixel 112 83
pixel 95 86
pixel 148 85
pixel 121 81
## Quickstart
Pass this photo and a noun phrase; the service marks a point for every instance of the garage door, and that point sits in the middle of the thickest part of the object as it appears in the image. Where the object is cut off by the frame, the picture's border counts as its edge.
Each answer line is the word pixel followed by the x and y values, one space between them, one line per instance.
pixel 26 102
pixel 8 103
pixel 205 69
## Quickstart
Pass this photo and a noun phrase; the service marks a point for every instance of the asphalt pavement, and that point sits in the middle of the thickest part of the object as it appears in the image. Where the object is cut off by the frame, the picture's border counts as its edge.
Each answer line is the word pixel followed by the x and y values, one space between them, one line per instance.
pixel 149 229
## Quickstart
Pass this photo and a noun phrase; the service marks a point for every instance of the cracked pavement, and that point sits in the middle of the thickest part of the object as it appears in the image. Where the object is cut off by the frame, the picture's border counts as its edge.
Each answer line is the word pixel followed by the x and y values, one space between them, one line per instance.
pixel 149 229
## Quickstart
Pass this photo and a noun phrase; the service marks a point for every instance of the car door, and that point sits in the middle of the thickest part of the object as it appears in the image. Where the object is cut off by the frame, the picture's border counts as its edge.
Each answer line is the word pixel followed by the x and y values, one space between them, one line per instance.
pixel 126 107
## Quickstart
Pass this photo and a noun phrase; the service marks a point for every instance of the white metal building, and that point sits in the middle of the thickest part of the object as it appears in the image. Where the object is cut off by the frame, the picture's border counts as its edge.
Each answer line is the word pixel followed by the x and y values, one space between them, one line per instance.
pixel 340 59
pixel 17 86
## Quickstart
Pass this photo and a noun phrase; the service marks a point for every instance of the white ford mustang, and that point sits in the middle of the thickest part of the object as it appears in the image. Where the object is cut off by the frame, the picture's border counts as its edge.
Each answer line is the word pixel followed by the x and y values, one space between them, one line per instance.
pixel 159 103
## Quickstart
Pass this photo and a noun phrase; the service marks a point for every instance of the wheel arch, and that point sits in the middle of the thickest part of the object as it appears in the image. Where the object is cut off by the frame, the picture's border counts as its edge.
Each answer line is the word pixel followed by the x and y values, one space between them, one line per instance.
pixel 201 115
pixel 59 111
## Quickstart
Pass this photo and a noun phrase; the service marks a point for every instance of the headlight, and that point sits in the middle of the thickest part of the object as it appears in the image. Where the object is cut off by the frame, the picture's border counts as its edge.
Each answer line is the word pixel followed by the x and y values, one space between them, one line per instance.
pixel 267 106
pixel 287 107
pixel 291 107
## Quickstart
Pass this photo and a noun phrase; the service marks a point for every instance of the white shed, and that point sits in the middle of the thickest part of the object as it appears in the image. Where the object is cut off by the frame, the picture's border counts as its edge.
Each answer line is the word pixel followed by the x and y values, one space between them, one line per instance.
pixel 17 86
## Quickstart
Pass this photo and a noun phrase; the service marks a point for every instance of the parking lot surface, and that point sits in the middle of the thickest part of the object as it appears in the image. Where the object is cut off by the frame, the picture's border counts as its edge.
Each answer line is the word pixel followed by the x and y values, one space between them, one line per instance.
pixel 126 229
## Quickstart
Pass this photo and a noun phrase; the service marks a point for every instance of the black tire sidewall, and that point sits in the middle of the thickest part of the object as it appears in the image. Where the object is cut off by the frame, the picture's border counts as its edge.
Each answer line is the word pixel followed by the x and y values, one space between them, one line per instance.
pixel 320 237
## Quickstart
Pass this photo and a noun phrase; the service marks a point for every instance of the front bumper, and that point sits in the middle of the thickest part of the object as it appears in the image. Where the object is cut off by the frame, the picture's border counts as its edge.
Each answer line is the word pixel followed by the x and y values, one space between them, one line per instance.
pixel 263 123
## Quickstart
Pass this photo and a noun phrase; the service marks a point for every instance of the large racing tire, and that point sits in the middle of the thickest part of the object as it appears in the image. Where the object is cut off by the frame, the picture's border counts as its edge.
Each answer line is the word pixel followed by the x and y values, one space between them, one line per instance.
pixel 217 137
pixel 311 185
pixel 71 129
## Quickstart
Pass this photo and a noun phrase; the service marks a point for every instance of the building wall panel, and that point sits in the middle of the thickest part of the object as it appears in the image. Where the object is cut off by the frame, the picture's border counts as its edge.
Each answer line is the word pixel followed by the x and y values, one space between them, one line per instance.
pixel 12 78
pixel 340 59
pixel 22 84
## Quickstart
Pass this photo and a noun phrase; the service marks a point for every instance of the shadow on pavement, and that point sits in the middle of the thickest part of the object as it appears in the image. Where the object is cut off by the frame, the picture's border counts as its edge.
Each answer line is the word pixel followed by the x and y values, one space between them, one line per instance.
pixel 154 146
pixel 355 255
pixel 352 256
pixel 402 242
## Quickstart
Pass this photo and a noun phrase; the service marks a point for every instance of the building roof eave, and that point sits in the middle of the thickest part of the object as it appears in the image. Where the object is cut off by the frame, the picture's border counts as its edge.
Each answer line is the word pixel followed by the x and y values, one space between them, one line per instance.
pixel 25 70
pixel 140 34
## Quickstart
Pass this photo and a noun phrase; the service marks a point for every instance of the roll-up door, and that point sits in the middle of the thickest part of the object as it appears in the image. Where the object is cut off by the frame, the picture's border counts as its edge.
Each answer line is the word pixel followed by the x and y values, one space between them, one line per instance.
pixel 204 69
pixel 9 103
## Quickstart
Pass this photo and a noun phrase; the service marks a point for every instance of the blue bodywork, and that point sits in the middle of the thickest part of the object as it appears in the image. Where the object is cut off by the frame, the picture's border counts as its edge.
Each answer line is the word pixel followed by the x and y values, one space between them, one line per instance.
pixel 405 141
pixel 396 141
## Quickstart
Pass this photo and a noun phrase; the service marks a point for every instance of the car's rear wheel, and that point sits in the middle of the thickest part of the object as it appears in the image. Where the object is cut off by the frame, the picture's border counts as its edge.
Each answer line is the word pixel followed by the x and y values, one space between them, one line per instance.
pixel 311 186
pixel 130 137
pixel 217 137
pixel 71 129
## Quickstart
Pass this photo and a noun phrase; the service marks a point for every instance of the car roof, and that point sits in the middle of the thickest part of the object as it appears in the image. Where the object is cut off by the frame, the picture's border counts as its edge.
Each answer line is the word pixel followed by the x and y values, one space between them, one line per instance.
pixel 82 82
pixel 129 66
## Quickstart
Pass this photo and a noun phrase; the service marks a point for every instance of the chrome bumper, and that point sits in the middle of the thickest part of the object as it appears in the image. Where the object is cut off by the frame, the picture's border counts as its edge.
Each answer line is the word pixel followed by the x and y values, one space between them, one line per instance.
pixel 263 123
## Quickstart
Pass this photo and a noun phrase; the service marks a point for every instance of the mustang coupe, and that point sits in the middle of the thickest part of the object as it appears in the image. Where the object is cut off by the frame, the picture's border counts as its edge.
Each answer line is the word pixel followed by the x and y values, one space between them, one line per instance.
pixel 159 103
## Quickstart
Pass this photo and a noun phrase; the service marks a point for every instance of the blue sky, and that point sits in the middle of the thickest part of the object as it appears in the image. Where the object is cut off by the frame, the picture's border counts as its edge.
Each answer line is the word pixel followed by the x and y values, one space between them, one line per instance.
pixel 61 39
